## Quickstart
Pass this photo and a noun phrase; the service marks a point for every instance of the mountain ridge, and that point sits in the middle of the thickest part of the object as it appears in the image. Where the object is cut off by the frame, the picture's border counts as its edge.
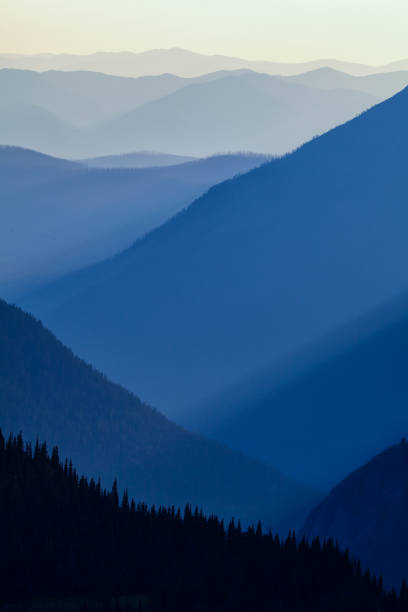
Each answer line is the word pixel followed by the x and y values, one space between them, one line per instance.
pixel 159 61
pixel 216 270
pixel 46 391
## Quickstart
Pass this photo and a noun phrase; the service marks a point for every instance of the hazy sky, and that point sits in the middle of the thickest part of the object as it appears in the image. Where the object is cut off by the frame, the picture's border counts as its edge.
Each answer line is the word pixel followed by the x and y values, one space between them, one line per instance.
pixel 371 31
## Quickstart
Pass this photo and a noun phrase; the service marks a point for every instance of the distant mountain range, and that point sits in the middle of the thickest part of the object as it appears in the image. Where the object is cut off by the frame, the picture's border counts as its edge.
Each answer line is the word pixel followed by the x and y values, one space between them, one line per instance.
pixel 81 115
pixel 57 216
pixel 367 513
pixel 251 272
pixel 46 391
pixel 343 400
pixel 178 61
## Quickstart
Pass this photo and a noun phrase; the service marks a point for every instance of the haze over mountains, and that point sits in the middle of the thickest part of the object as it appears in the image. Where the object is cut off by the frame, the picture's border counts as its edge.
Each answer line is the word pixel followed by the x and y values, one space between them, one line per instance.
pixel 178 61
pixel 252 271
pixel 58 215
pixel 77 116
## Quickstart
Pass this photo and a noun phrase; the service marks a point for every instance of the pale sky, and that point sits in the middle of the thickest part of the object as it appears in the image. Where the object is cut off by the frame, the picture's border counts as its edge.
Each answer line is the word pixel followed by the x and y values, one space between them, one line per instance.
pixel 369 31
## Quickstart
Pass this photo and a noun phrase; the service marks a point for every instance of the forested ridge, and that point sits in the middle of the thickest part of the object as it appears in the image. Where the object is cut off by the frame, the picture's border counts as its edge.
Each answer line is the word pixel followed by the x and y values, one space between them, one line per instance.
pixel 64 536
pixel 48 392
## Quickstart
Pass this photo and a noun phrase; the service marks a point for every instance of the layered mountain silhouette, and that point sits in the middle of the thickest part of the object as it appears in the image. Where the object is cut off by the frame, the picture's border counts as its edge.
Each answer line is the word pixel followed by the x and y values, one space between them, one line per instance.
pixel 219 112
pixel 242 111
pixel 335 406
pixel 250 273
pixel 177 61
pixel 82 97
pixel 58 215
pixel 366 513
pixel 46 391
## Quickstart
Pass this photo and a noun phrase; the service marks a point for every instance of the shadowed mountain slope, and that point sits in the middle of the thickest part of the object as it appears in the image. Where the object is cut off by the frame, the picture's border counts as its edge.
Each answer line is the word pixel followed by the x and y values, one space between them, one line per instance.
pixel 367 513
pixel 57 216
pixel 341 403
pixel 251 272
pixel 45 391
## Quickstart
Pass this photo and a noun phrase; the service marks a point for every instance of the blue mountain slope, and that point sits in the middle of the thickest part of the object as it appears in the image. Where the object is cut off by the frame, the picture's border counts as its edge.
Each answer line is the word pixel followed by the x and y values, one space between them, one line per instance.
pixel 367 513
pixel 339 404
pixel 253 271
pixel 46 391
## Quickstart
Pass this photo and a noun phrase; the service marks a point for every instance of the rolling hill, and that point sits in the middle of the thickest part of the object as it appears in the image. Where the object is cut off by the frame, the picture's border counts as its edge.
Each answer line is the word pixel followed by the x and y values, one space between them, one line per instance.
pixel 57 215
pixel 250 273
pixel 45 391
pixel 366 513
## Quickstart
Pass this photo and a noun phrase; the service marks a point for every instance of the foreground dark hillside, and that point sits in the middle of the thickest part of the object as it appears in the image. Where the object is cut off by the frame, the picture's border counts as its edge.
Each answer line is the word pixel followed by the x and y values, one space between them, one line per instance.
pixel 253 271
pixel 367 513
pixel 64 537
pixel 47 392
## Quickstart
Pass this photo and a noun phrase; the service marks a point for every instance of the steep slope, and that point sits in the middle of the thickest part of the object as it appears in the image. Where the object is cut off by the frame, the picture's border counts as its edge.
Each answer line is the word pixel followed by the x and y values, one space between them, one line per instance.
pixel 252 271
pixel 45 391
pixel 240 112
pixel 367 513
pixel 336 406
pixel 177 61
pixel 57 216
pixel 219 112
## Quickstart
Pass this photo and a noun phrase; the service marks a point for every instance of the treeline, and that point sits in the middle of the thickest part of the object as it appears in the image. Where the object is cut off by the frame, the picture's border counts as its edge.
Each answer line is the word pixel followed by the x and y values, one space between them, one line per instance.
pixel 63 536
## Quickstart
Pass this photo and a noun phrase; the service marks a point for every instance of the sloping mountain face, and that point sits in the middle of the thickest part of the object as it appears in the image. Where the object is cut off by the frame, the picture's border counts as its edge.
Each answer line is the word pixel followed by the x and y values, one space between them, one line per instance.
pixel 367 513
pixel 383 85
pixel 177 61
pixel 220 112
pixel 57 216
pixel 46 391
pixel 339 404
pixel 251 272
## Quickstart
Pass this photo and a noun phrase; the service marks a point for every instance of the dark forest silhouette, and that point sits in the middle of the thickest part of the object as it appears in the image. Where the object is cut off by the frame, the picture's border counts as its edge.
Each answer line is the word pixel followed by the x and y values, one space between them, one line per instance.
pixel 64 536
